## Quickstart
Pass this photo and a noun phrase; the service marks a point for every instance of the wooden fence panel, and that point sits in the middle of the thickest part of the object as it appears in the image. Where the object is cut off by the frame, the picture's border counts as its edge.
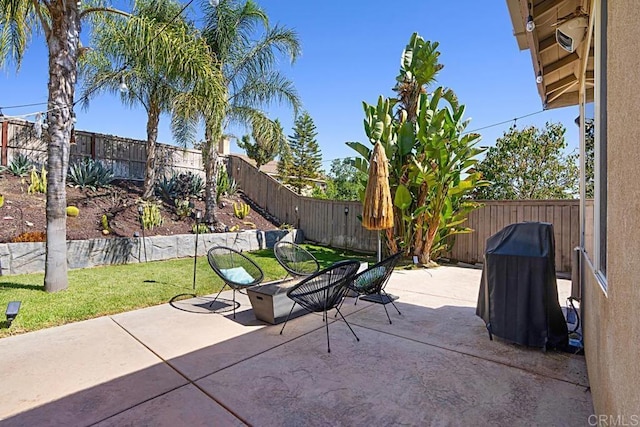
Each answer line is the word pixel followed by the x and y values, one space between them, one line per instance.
pixel 127 157
pixel 495 215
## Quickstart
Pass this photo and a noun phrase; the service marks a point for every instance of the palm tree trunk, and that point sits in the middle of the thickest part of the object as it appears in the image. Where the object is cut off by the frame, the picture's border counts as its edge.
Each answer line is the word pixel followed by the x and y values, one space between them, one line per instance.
pixel 153 118
pixel 62 42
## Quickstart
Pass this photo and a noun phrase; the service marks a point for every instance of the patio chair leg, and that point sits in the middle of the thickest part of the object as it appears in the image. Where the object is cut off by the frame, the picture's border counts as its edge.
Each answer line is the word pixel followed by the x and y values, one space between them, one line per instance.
pixel 326 325
pixel 393 303
pixel 345 321
pixel 214 300
pixel 287 319
pixel 234 303
pixel 385 310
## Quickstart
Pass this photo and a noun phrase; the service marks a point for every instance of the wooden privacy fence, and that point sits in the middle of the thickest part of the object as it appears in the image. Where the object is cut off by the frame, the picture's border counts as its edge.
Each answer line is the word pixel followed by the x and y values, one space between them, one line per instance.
pixel 497 214
pixel 329 222
pixel 126 157
pixel 335 223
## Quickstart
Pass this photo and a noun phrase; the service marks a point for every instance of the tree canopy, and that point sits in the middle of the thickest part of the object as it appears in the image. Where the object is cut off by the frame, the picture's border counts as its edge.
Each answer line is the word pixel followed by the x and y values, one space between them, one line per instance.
pixel 303 161
pixel 266 144
pixel 529 163
pixel 344 182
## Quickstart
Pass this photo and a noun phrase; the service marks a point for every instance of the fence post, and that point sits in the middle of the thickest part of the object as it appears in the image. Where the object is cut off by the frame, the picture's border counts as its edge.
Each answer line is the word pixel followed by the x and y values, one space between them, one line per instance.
pixel 4 143
pixel 93 146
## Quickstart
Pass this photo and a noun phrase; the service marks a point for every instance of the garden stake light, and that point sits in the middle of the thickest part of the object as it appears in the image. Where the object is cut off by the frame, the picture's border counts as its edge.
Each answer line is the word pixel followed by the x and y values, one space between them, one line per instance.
pixel 195 255
pixel 144 243
pixel 12 311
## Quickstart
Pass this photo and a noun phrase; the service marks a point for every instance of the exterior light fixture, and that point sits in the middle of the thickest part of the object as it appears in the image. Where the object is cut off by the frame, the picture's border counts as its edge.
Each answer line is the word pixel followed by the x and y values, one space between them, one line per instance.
pixel 539 78
pixel 531 25
pixel 123 85
pixel 346 210
pixel 214 3
pixel 198 214
pixel 12 311
pixel 144 240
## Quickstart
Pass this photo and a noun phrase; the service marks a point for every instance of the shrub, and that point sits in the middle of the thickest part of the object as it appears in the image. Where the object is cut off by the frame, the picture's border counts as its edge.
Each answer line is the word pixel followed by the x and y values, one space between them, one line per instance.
pixel 183 208
pixel 31 236
pixel 151 216
pixel 90 173
pixel 73 211
pixel 180 186
pixel 38 181
pixel 225 186
pixel 201 228
pixel 20 165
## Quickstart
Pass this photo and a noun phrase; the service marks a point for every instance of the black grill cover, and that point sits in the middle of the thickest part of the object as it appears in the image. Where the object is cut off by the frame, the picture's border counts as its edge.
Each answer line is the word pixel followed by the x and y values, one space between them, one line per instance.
pixel 518 298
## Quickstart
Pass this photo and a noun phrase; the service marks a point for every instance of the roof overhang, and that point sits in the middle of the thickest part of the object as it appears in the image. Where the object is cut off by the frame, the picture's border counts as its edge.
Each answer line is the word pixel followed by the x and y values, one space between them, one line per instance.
pixel 562 72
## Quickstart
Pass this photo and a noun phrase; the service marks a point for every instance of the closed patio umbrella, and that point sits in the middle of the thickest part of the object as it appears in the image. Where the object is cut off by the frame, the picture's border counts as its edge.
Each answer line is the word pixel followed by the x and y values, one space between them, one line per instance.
pixel 377 212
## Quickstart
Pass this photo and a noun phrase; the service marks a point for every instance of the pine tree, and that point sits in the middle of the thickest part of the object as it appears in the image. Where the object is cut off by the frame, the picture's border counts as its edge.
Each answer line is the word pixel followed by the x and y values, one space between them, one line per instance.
pixel 302 164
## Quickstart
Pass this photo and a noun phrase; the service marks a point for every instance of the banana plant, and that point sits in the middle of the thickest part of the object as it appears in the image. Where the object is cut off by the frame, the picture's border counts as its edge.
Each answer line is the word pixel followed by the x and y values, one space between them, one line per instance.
pixel 442 174
pixel 431 160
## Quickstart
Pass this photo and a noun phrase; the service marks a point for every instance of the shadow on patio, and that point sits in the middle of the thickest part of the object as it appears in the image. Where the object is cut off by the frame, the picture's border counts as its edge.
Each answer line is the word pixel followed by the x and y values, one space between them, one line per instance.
pixel 162 366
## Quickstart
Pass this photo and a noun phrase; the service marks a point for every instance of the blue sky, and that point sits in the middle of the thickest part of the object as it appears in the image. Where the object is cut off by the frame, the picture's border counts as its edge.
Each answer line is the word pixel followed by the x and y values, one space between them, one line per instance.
pixel 351 53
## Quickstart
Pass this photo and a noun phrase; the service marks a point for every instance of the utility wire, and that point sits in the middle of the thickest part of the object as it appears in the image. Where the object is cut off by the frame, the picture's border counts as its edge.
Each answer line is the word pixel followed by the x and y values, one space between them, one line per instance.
pixel 514 120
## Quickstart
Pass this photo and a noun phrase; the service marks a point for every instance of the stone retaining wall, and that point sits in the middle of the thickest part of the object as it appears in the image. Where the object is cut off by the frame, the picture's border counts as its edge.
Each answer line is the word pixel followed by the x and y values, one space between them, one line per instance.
pixel 21 258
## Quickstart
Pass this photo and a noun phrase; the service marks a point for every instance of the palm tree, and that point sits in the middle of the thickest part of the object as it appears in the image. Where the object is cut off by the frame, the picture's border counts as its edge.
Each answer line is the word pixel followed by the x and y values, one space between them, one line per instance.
pixel 59 20
pixel 159 56
pixel 251 78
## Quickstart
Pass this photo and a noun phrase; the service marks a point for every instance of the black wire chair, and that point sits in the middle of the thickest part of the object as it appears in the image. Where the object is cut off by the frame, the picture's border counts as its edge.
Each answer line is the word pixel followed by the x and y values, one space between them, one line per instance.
pixel 295 259
pixel 323 291
pixel 235 269
pixel 370 283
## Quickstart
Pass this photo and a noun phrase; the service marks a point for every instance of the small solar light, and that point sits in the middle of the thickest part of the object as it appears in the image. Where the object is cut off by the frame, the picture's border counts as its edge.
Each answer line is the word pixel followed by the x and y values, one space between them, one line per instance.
pixel 198 214
pixel 12 311
pixel 346 210
pixel 539 78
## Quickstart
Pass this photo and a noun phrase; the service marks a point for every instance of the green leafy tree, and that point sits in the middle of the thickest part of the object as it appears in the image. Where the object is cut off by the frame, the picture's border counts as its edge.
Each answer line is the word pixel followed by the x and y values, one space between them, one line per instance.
pixel 247 51
pixel 59 21
pixel 529 163
pixel 431 159
pixel 159 55
pixel 345 181
pixel 304 163
pixel 589 158
pixel 266 144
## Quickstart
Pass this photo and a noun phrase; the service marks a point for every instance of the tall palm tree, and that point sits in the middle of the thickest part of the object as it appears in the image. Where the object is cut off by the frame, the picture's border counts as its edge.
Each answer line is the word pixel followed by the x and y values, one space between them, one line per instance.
pixel 59 20
pixel 159 56
pixel 247 50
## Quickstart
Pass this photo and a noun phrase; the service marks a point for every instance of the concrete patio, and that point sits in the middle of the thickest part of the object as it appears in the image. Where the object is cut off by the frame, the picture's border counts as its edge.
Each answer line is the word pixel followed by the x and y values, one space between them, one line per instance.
pixel 434 365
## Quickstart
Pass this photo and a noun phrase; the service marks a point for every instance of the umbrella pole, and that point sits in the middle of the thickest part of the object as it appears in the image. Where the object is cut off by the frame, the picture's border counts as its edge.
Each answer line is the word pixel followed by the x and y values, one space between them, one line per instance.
pixel 379 247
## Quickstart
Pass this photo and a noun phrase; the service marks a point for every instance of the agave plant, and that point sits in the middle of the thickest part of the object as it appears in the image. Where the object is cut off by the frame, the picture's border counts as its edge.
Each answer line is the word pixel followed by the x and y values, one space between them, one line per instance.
pixel 180 186
pixel 89 173
pixel 19 166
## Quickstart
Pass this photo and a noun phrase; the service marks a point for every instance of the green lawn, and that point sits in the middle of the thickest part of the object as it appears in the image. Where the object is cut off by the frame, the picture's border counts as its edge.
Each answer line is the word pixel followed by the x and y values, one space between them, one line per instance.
pixel 115 289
